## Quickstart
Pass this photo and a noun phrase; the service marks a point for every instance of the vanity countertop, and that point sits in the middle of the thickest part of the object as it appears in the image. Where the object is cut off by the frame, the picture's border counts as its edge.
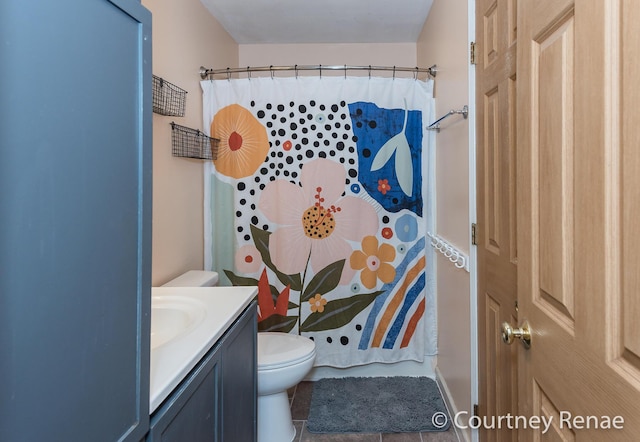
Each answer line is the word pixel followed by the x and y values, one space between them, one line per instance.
pixel 186 322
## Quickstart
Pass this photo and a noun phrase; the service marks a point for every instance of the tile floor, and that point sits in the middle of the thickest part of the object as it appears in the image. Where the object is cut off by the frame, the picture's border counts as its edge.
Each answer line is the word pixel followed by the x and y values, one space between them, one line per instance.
pixel 300 397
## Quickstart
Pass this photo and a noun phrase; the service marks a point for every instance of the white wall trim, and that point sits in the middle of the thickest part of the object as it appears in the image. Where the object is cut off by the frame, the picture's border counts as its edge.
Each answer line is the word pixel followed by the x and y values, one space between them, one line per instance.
pixel 473 255
pixel 463 435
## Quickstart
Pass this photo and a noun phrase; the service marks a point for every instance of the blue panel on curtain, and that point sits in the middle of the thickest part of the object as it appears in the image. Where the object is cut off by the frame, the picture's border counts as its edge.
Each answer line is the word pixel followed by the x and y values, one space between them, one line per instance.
pixel 327 189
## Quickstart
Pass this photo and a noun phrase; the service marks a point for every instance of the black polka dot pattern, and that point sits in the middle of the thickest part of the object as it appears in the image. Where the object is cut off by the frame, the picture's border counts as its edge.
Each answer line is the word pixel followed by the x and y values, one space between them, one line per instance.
pixel 298 132
pixel 344 341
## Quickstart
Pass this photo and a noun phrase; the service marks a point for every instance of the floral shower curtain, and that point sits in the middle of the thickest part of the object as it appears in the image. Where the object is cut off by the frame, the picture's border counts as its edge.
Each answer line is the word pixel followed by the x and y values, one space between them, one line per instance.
pixel 321 196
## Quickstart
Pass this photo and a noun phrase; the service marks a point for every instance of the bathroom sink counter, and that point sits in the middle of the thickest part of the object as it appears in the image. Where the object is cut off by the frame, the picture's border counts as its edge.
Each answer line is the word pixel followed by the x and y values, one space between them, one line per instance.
pixel 187 324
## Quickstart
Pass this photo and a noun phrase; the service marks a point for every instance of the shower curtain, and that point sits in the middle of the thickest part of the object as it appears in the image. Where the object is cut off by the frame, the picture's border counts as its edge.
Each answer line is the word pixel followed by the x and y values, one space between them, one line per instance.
pixel 321 196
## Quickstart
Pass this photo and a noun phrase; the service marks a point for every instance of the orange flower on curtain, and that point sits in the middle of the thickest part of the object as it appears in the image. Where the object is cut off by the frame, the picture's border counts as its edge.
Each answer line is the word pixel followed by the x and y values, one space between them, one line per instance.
pixel 243 141
pixel 266 305
pixel 374 262
pixel 317 303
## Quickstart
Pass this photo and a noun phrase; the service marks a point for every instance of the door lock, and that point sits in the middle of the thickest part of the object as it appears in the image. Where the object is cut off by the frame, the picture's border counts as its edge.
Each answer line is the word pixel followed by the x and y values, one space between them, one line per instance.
pixel 509 334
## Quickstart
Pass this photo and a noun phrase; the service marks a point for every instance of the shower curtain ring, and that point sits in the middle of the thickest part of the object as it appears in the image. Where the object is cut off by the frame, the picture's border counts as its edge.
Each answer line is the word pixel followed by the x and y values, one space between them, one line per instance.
pixel 394 72
pixel 415 77
pixel 271 69
pixel 369 72
pixel 228 74
pixel 296 69
pixel 248 73
pixel 345 71
pixel 320 71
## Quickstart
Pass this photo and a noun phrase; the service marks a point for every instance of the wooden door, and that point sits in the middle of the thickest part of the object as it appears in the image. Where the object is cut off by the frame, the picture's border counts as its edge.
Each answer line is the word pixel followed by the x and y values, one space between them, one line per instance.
pixel 578 209
pixel 496 208
pixel 75 220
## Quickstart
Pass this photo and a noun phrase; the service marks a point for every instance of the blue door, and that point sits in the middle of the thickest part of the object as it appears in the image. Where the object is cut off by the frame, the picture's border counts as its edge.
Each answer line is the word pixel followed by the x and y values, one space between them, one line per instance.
pixel 75 220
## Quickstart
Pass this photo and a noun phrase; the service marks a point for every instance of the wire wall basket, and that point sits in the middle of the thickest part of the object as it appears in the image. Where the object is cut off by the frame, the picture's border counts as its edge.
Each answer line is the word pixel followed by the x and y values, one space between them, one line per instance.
pixel 168 99
pixel 192 143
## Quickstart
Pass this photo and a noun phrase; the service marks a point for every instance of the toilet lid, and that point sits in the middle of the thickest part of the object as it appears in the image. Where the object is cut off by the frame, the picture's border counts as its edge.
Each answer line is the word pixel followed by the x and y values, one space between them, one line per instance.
pixel 276 349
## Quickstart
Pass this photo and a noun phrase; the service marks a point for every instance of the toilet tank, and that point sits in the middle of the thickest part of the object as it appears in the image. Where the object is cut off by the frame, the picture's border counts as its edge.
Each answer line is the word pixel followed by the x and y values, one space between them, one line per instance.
pixel 194 278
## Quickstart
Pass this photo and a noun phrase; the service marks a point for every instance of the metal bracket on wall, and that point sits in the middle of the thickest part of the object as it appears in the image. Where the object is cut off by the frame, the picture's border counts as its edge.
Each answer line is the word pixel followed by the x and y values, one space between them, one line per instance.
pixel 436 124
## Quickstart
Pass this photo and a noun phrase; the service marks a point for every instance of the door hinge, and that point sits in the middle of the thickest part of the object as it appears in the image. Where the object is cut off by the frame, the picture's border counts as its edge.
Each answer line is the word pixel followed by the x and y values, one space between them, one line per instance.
pixel 472 52
pixel 474 228
pixel 475 410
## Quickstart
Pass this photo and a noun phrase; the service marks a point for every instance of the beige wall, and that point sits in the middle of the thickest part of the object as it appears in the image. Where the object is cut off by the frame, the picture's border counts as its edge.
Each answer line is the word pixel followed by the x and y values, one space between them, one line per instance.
pixel 185 37
pixel 444 41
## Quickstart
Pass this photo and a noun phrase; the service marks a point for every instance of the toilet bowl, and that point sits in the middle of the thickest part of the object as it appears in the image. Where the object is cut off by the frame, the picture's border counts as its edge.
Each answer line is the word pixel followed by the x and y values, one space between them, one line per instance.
pixel 283 361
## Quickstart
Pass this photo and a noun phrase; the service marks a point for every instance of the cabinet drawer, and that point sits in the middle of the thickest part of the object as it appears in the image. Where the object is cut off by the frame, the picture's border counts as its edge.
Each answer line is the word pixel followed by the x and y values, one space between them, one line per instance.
pixel 190 412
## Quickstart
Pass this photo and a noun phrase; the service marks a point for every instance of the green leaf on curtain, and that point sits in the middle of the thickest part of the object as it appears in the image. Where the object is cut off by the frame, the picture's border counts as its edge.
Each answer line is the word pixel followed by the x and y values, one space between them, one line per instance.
pixel 274 293
pixel 324 281
pixel 386 152
pixel 261 240
pixel 277 323
pixel 240 280
pixel 404 167
pixel 338 312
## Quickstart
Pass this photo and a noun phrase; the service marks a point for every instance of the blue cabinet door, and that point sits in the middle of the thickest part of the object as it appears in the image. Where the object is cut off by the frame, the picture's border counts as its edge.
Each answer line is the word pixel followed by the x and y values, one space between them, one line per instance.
pixel 240 380
pixel 75 219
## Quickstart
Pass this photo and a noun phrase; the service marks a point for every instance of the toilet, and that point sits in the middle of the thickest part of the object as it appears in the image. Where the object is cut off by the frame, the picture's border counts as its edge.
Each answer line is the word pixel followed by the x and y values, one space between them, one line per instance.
pixel 283 361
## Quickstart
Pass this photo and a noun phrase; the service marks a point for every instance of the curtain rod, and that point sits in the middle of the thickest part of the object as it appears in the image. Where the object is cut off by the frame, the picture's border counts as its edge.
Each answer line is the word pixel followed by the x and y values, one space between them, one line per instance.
pixel 204 72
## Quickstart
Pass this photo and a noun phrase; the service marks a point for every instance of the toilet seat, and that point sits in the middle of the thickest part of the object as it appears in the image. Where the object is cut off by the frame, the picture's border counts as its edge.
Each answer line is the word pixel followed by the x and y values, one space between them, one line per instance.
pixel 276 350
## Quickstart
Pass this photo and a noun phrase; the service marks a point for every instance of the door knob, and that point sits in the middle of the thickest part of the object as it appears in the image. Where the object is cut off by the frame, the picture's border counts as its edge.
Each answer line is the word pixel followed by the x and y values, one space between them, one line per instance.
pixel 523 333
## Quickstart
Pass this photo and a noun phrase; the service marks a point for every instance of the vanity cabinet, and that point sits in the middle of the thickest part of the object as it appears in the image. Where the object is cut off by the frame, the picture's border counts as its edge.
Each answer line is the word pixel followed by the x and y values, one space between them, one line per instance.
pixel 217 400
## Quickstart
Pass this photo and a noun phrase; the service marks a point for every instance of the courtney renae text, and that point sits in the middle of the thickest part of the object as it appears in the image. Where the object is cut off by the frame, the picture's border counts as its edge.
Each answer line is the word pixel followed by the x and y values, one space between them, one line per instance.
pixel 543 423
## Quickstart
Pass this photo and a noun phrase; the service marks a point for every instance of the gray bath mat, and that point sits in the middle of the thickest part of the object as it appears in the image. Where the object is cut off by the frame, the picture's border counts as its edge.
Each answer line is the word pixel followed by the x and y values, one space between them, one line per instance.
pixel 376 405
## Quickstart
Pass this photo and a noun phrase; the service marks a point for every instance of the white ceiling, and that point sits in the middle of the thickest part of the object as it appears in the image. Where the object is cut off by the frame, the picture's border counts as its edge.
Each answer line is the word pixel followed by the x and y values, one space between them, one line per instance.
pixel 321 21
